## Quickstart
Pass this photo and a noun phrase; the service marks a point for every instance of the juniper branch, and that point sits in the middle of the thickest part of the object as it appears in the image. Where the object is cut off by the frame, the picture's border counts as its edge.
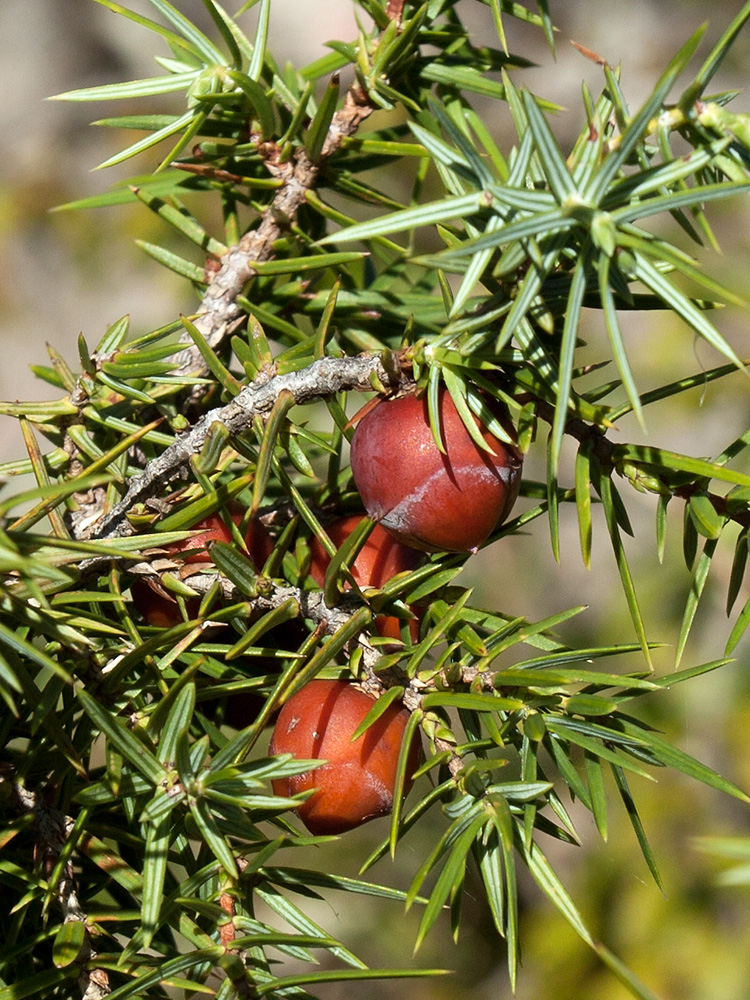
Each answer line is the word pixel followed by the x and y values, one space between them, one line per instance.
pixel 324 377
pixel 272 595
pixel 219 311
pixel 53 829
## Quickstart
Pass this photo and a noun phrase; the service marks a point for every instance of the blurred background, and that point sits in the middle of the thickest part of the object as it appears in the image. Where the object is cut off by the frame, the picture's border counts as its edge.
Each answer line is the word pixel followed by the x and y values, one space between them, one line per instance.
pixel 70 272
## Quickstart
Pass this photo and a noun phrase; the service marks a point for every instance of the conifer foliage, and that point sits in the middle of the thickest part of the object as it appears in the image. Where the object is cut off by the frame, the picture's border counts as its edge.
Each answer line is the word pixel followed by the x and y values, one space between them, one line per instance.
pixel 157 606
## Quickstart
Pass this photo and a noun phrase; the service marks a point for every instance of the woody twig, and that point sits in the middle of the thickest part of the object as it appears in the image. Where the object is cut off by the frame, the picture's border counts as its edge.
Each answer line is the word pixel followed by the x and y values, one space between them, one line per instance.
pixel 219 311
pixel 322 378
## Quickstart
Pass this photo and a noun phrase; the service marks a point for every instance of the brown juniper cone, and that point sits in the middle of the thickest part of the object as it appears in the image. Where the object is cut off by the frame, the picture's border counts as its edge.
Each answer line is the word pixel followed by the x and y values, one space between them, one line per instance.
pixel 357 782
pixel 426 498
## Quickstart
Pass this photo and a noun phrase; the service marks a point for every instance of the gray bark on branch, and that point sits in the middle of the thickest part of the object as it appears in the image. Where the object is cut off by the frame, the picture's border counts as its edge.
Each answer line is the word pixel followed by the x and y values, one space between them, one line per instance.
pixel 312 605
pixel 219 312
pixel 325 377
pixel 273 595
